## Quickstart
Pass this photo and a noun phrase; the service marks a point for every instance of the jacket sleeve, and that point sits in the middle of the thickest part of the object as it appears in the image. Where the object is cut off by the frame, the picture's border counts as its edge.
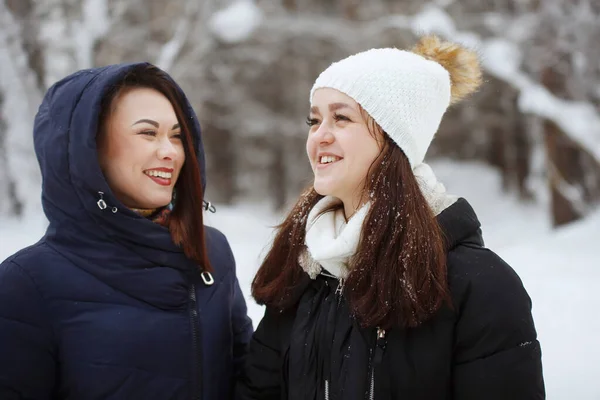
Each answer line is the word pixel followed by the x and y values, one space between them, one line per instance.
pixel 261 376
pixel 497 354
pixel 27 353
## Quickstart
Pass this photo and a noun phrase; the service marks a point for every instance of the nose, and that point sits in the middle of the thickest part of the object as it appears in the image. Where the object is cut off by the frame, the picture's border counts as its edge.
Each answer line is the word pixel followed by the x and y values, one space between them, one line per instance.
pixel 166 150
pixel 323 135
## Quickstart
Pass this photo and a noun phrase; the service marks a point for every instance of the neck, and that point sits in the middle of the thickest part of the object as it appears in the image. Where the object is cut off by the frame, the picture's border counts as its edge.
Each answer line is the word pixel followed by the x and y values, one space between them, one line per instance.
pixel 349 211
pixel 329 240
pixel 352 205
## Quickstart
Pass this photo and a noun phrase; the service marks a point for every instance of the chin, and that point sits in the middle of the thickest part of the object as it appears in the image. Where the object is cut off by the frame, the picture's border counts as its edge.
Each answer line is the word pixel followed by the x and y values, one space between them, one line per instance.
pixel 323 190
pixel 161 204
pixel 156 202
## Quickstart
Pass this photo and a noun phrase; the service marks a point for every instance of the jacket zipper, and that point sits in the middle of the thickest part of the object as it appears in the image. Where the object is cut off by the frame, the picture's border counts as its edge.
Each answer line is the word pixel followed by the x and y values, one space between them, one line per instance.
pixel 377 357
pixel 197 372
pixel 339 291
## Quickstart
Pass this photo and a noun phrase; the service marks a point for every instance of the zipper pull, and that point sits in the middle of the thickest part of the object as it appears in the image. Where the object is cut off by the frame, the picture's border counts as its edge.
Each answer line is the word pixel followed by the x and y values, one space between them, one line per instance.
pixel 379 346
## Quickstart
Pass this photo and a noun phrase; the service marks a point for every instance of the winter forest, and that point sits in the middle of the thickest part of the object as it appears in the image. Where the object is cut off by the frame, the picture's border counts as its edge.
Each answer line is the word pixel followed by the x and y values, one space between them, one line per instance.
pixel 525 149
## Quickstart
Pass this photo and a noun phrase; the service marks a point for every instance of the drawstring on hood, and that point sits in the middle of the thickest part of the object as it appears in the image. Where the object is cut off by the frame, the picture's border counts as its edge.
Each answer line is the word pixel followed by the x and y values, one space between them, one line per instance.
pixel 102 204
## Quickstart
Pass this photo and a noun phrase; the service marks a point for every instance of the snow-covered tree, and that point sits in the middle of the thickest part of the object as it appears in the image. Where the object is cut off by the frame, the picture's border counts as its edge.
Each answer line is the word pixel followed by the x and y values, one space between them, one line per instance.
pixel 247 65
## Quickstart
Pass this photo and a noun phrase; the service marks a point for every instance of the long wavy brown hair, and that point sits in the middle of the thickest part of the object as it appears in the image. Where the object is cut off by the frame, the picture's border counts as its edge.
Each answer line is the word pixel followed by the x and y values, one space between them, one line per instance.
pixel 186 222
pixel 398 275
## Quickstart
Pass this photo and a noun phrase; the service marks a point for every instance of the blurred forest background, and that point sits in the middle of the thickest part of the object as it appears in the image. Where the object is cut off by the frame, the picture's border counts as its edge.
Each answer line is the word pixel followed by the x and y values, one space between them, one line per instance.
pixel 248 67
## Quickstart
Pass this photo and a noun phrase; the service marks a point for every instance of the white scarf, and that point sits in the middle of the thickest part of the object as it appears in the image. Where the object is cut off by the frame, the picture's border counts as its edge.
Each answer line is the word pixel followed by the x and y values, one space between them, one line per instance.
pixel 331 241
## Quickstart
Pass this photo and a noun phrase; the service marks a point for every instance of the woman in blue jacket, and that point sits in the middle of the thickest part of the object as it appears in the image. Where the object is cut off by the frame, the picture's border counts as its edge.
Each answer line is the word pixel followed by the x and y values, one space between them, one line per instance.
pixel 128 295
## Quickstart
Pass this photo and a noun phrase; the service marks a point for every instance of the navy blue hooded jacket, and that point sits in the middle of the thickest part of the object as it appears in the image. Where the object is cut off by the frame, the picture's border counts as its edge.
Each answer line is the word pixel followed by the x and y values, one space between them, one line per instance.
pixel 105 306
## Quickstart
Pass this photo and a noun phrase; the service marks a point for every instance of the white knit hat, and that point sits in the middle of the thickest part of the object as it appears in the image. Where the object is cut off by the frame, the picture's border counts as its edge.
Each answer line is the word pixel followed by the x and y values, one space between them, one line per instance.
pixel 404 92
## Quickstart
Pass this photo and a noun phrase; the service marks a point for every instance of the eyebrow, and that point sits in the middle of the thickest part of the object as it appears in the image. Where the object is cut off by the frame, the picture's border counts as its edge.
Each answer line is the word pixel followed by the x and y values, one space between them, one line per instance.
pixel 332 107
pixel 337 106
pixel 153 123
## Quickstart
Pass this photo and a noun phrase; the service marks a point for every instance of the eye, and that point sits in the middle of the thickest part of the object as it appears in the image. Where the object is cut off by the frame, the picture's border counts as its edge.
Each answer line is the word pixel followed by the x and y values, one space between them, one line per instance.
pixel 340 117
pixel 148 133
pixel 177 136
pixel 311 121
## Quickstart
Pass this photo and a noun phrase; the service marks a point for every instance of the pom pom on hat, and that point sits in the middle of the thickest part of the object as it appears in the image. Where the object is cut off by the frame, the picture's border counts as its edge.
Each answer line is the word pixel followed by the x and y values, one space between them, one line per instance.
pixel 406 92
pixel 462 65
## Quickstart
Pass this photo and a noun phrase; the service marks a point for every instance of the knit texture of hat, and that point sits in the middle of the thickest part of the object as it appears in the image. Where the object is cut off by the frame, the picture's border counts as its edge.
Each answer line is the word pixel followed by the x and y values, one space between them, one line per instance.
pixel 406 92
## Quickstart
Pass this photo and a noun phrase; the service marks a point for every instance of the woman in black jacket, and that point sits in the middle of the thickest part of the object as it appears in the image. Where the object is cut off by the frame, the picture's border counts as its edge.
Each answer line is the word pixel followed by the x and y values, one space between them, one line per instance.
pixel 378 285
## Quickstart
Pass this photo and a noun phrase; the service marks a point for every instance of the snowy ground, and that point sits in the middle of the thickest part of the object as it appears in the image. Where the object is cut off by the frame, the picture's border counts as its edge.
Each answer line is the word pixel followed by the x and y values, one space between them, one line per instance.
pixel 560 269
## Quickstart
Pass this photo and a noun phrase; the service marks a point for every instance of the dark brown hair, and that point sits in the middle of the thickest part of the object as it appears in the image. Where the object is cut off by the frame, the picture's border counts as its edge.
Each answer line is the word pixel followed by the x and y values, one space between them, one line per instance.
pixel 186 223
pixel 398 275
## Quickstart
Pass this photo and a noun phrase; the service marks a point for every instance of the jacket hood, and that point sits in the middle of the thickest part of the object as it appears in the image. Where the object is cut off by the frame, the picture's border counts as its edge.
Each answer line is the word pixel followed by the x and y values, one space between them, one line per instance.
pixel 460 225
pixel 65 143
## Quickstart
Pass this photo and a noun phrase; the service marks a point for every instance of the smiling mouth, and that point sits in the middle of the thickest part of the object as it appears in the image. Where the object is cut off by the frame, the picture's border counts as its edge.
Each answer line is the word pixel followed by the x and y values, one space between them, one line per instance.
pixel 163 178
pixel 324 160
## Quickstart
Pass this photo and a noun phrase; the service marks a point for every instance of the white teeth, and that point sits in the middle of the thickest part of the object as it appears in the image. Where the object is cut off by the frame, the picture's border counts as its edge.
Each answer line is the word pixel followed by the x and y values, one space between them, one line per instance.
pixel 160 174
pixel 328 159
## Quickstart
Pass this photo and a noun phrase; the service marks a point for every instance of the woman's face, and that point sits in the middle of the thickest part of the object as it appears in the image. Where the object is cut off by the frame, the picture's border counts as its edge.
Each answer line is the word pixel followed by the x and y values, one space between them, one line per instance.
pixel 340 147
pixel 140 149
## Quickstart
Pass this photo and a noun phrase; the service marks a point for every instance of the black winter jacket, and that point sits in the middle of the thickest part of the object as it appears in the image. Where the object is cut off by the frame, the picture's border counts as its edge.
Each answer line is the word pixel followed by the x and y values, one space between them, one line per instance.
pixel 485 349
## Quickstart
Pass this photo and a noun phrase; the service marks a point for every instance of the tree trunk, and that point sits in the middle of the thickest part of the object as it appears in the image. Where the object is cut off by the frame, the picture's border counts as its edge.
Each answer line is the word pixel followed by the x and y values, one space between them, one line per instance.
pixel 220 157
pixel 277 174
pixel 560 158
pixel 20 189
